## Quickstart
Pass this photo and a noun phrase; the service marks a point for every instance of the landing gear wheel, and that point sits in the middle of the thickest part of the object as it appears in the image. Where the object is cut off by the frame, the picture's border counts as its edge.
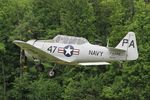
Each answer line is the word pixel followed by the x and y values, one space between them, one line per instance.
pixel 39 67
pixel 51 73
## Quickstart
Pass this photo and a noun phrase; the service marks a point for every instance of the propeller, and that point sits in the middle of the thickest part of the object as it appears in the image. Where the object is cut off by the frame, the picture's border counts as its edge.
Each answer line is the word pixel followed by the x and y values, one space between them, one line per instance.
pixel 23 59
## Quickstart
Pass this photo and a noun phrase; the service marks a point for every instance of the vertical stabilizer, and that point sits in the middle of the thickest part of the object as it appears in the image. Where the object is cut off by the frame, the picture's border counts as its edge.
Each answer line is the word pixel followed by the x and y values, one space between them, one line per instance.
pixel 129 44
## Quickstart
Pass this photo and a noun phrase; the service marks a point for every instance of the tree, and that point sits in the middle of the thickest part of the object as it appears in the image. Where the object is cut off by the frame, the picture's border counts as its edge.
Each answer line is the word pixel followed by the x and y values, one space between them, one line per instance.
pixel 77 18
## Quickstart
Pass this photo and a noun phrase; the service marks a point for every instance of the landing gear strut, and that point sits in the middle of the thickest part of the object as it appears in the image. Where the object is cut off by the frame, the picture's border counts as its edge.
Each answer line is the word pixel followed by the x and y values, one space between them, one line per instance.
pixel 39 67
pixel 52 72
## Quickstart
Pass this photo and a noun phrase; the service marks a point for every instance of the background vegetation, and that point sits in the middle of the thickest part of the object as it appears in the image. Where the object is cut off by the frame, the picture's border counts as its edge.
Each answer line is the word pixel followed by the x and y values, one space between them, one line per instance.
pixel 92 19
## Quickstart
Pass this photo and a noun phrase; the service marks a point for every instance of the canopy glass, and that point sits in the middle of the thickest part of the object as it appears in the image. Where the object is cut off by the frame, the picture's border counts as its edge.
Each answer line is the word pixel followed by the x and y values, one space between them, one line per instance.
pixel 69 39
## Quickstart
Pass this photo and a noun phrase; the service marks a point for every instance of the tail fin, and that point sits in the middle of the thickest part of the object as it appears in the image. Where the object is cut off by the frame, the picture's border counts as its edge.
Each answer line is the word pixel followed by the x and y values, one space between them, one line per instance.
pixel 128 43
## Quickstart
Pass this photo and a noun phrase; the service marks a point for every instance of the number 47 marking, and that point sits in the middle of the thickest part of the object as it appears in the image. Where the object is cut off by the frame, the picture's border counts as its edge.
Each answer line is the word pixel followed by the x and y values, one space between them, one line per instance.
pixel 52 49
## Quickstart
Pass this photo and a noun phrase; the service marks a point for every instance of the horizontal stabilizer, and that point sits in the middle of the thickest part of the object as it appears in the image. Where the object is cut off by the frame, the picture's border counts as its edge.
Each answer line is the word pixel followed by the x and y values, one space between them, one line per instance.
pixel 116 49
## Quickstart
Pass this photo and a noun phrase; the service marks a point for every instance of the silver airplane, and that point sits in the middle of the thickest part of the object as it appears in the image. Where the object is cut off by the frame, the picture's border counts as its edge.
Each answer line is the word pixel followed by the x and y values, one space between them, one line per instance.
pixel 72 50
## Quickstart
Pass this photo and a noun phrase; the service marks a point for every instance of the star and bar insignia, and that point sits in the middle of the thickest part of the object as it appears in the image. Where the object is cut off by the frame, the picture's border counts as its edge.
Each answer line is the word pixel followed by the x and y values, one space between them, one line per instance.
pixel 68 50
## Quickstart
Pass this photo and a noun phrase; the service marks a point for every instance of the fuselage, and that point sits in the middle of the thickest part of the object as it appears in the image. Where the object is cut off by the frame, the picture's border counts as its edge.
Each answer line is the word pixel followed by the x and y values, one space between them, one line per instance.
pixel 72 52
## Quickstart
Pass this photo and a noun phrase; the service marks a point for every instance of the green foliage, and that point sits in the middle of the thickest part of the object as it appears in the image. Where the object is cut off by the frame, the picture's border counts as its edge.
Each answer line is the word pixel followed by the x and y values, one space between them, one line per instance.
pixel 92 19
pixel 82 88
pixel 45 89
pixel 24 88
pixel 2 47
pixel 77 18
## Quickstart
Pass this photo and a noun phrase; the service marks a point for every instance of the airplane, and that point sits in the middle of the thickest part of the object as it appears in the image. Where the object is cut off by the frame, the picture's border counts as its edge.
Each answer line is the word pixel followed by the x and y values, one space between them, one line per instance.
pixel 72 50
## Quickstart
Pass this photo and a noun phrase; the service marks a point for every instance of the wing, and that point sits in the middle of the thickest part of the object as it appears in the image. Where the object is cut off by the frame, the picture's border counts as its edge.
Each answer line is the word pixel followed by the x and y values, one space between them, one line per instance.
pixel 94 63
pixel 40 54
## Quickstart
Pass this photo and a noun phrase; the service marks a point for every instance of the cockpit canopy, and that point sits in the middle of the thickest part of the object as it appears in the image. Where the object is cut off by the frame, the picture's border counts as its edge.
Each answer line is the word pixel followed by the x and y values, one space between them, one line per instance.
pixel 69 39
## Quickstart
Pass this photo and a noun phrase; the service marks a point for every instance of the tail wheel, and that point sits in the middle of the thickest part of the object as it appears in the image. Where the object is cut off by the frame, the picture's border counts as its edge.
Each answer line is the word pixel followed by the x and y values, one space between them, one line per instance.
pixel 39 67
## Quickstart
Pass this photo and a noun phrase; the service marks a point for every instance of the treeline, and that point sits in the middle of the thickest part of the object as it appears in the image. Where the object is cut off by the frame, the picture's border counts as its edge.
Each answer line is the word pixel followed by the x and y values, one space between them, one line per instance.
pixel 93 19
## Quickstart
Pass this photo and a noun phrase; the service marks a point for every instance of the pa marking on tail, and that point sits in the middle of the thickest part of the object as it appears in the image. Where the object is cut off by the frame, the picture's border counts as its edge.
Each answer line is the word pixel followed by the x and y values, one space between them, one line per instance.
pixel 125 41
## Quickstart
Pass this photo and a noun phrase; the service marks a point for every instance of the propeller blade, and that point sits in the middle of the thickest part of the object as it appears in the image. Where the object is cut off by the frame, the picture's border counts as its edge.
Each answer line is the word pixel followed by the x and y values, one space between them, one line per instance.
pixel 22 57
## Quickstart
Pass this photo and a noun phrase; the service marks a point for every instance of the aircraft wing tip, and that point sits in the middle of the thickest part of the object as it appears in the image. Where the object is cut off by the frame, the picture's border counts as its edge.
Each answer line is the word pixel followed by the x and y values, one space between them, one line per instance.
pixel 18 41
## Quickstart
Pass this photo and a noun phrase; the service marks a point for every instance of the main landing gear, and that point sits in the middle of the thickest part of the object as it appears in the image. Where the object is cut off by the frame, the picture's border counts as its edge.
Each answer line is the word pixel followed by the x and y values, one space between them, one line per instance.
pixel 40 68
pixel 52 72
